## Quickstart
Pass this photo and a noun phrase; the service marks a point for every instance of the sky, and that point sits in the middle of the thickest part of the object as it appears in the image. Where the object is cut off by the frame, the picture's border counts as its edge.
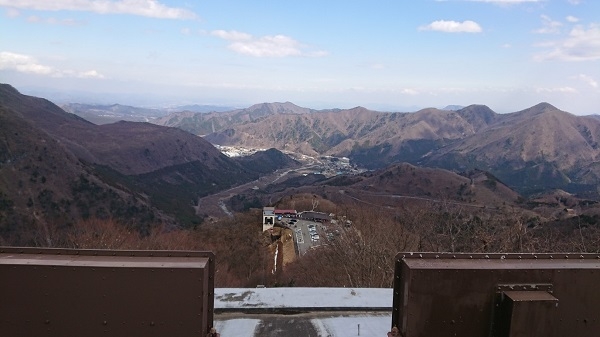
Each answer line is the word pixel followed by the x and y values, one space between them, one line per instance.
pixel 387 55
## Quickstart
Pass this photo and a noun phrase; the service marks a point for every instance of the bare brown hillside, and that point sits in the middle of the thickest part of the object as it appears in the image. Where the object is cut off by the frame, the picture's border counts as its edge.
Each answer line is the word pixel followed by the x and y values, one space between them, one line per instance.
pixel 536 148
pixel 56 168
pixel 386 190
pixel 206 123
pixel 341 132
pixel 541 133
pixel 128 147
pixel 45 188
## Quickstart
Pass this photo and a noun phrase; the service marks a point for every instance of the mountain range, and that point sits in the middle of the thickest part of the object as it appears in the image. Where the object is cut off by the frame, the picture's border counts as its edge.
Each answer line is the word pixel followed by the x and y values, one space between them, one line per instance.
pixel 57 168
pixel 532 150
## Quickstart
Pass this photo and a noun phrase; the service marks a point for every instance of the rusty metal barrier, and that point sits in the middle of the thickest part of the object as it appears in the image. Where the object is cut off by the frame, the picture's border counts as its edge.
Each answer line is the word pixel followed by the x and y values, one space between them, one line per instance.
pixel 497 295
pixel 62 292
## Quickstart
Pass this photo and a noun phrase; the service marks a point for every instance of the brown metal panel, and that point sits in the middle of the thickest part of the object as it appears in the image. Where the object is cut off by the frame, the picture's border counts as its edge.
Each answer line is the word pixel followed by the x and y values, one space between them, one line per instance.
pixel 441 294
pixel 526 313
pixel 400 296
pixel 57 292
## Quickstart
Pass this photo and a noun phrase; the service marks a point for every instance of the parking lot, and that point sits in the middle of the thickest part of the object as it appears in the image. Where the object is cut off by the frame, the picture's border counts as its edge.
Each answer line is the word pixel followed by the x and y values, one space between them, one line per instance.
pixel 307 234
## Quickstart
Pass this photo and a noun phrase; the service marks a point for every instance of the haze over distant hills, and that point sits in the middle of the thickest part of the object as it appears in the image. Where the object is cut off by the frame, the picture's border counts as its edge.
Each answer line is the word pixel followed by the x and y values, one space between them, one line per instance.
pixel 105 114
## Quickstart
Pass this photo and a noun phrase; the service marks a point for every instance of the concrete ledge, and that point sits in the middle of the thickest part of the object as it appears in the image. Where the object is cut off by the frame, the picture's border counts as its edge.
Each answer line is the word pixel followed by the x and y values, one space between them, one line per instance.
pixel 299 310
pixel 299 300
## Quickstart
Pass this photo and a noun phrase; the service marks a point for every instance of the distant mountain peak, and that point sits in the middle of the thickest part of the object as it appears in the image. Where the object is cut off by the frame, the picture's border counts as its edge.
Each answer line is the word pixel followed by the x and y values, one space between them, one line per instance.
pixel 453 107
pixel 478 115
pixel 544 106
pixel 538 109
pixel 275 104
pixel 359 108
pixel 263 109
pixel 476 106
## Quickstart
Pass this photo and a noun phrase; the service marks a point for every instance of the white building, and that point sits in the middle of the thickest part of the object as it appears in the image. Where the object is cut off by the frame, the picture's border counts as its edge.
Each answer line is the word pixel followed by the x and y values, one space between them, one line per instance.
pixel 268 218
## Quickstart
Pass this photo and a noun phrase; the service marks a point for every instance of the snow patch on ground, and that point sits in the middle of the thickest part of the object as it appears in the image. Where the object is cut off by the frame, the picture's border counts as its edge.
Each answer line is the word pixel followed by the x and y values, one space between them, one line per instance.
pixel 353 326
pixel 275 262
pixel 303 298
pixel 320 327
pixel 237 327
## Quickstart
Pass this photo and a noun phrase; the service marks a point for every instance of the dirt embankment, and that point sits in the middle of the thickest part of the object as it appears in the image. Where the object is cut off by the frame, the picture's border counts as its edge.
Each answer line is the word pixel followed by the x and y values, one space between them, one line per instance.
pixel 283 251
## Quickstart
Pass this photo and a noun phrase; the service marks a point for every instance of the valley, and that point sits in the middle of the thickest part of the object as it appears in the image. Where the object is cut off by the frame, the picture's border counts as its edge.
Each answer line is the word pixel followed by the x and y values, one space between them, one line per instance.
pixel 324 166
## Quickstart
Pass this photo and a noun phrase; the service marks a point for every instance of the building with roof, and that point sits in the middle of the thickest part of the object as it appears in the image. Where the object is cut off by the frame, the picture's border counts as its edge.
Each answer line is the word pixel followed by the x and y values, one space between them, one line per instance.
pixel 268 218
pixel 314 216
pixel 286 212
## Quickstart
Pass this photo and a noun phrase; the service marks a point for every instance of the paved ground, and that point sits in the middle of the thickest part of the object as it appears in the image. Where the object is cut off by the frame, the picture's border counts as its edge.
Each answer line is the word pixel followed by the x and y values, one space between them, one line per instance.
pixel 314 324
pixel 302 236
pixel 285 326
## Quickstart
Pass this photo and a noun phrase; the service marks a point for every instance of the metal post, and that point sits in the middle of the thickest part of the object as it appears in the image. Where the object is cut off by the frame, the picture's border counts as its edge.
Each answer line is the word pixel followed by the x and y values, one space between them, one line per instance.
pixel 358 329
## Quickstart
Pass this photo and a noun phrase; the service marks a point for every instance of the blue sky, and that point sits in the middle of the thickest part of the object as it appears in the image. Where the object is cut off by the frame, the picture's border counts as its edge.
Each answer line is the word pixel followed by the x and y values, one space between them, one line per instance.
pixel 394 55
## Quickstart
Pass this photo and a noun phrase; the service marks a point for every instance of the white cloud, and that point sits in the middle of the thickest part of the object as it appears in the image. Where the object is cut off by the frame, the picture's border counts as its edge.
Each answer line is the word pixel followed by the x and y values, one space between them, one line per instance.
pixel 409 91
pixel 232 35
pixel 90 74
pixel 23 63
pixel 453 26
pixel 549 26
pixel 269 46
pixel 266 46
pixel 148 8
pixel 574 2
pixel 580 45
pixel 587 79
pixel 572 19
pixel 12 13
pixel 29 65
pixel 564 90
